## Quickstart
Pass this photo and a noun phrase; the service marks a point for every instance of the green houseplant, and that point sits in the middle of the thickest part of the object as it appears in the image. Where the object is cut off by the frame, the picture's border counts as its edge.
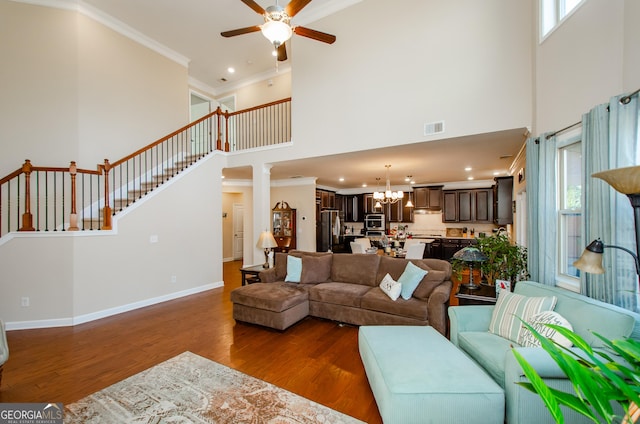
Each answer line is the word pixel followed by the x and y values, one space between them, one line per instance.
pixel 505 261
pixel 597 379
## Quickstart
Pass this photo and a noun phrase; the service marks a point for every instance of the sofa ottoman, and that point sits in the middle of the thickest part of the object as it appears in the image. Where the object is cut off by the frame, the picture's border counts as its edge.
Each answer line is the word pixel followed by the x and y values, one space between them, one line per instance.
pixel 275 305
pixel 418 376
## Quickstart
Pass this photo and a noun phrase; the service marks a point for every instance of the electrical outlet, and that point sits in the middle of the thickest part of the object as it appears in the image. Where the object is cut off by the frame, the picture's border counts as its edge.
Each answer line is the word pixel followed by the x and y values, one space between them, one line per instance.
pixel 174 279
pixel 153 239
pixel 25 302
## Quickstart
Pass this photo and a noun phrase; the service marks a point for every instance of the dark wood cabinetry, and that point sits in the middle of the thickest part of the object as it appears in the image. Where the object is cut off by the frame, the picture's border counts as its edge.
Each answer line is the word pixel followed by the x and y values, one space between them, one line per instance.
pixel 444 248
pixel 283 220
pixel 327 199
pixel 352 207
pixel 427 197
pixel 503 200
pixel 474 205
pixel 369 203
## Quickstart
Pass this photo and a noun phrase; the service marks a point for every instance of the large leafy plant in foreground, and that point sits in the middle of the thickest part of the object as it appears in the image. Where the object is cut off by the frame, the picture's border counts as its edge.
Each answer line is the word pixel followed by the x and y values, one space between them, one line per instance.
pixel 597 379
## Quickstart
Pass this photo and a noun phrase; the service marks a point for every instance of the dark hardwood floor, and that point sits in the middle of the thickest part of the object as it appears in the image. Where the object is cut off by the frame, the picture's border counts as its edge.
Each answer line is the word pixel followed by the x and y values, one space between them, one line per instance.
pixel 315 358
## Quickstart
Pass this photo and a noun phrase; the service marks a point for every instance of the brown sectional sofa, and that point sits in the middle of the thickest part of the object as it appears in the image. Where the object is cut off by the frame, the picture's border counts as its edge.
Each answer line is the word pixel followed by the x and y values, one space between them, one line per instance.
pixel 344 287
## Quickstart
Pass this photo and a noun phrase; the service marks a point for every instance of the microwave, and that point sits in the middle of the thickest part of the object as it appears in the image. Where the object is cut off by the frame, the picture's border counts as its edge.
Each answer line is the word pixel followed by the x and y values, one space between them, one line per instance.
pixel 374 221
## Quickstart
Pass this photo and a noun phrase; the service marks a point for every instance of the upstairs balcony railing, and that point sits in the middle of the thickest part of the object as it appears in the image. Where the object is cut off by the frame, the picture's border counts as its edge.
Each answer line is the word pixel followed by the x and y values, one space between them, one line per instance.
pixel 70 198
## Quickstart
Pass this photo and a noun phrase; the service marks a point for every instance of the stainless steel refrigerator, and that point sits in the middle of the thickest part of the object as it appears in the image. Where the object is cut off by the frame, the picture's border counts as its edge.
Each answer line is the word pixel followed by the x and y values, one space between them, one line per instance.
pixel 330 230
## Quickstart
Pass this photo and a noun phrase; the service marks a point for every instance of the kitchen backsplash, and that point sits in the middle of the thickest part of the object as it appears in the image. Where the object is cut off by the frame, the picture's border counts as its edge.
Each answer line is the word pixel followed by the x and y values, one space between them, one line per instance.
pixel 427 224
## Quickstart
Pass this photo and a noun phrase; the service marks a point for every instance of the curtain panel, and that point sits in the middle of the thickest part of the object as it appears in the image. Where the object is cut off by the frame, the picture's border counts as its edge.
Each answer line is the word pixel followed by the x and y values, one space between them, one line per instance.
pixel 610 141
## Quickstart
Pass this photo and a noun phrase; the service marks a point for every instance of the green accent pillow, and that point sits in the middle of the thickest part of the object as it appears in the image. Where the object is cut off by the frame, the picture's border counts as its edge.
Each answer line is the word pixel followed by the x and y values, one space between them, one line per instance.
pixel 294 269
pixel 511 308
pixel 410 279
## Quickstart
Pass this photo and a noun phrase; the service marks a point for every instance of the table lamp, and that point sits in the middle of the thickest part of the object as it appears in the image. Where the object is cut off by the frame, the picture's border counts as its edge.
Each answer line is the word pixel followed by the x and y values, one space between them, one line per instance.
pixel 470 255
pixel 626 181
pixel 266 242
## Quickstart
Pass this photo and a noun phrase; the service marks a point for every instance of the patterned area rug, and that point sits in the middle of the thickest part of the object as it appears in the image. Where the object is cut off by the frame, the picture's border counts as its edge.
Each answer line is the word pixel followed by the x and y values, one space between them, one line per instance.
pixel 191 389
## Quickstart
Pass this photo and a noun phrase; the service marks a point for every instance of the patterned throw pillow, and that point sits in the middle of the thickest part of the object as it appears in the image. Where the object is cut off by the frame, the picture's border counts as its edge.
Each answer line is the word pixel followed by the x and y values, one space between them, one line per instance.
pixel 538 322
pixel 294 269
pixel 390 287
pixel 511 308
pixel 410 279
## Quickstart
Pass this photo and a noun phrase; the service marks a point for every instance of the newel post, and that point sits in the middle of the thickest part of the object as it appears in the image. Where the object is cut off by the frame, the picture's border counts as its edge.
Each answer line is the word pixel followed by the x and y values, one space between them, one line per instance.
pixel 106 212
pixel 218 132
pixel 73 217
pixel 27 217
pixel 226 130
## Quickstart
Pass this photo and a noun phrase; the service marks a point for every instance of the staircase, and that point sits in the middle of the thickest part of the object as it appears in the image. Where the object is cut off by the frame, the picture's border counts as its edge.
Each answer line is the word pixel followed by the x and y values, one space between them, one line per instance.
pixel 52 199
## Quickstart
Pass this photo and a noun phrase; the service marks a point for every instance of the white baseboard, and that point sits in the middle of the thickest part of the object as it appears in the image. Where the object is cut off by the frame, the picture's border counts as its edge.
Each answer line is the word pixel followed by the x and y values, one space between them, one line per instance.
pixel 81 319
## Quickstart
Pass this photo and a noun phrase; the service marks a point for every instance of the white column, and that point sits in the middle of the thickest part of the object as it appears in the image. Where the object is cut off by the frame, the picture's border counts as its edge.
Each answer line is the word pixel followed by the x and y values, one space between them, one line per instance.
pixel 261 207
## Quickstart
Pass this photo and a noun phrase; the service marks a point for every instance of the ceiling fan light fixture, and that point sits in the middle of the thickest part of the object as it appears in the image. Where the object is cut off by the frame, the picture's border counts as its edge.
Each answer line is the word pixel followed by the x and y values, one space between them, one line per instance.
pixel 277 32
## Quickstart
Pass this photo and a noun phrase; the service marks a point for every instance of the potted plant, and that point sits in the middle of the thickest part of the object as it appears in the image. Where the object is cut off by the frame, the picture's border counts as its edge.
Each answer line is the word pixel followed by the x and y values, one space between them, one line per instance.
pixel 598 380
pixel 506 261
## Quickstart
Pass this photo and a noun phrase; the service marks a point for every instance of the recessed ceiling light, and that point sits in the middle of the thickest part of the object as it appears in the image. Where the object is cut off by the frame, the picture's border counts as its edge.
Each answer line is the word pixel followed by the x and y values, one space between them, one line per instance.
pixel 470 178
pixel 496 173
pixel 231 70
pixel 364 185
pixel 407 178
pixel 412 182
pixel 341 179
pixel 468 168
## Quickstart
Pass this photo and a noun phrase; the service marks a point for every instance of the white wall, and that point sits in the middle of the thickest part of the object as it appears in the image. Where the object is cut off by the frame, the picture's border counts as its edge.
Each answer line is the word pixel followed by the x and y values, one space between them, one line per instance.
pixel 393 70
pixel 591 57
pixel 38 82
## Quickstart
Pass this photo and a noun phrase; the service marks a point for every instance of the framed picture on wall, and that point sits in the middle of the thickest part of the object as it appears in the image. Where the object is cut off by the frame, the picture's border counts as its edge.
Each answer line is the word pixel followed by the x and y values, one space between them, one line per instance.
pixel 502 285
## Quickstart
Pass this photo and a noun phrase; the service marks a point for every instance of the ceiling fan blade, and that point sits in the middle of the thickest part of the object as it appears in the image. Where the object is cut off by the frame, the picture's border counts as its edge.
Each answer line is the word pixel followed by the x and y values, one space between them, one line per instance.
pixel 295 6
pixel 255 6
pixel 316 35
pixel 282 52
pixel 240 31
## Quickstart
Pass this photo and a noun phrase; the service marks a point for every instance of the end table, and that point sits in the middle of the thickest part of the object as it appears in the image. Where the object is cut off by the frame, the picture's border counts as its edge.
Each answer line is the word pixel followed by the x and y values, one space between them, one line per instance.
pixel 250 274
pixel 485 295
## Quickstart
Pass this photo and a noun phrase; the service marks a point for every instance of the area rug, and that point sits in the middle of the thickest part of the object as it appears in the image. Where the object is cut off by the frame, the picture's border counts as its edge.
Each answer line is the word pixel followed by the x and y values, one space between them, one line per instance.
pixel 191 389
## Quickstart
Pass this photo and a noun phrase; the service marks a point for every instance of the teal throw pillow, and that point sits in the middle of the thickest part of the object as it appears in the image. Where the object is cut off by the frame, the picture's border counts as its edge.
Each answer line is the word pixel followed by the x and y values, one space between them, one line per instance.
pixel 410 279
pixel 294 269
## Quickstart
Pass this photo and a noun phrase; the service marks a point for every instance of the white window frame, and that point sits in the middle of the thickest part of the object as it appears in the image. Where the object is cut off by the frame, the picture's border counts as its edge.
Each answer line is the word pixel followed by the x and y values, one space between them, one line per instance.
pixel 558 15
pixel 563 280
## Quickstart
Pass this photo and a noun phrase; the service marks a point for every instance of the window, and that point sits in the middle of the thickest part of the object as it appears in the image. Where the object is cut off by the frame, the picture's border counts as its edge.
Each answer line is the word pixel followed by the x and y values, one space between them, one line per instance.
pixel 570 240
pixel 554 12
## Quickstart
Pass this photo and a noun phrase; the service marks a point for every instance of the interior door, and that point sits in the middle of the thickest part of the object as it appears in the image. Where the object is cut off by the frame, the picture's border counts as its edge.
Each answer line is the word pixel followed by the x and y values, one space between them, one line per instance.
pixel 238 230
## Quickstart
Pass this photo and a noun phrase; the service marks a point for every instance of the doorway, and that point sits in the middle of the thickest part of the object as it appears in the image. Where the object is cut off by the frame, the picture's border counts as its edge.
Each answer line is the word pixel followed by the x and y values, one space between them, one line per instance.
pixel 238 230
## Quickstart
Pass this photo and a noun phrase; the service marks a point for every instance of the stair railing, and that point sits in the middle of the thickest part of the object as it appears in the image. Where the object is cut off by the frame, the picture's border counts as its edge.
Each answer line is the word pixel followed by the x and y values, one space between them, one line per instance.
pixel 35 198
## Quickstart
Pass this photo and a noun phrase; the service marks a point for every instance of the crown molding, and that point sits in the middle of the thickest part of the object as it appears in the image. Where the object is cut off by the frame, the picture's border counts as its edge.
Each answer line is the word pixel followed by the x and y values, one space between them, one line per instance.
pixel 112 23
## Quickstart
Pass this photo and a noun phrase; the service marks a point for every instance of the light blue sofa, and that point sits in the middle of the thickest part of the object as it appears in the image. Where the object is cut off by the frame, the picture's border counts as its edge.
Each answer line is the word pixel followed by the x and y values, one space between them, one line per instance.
pixel 469 331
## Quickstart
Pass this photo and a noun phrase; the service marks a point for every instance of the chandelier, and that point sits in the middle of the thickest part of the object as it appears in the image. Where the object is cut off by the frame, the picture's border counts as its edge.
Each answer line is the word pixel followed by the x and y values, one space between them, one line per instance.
pixel 388 196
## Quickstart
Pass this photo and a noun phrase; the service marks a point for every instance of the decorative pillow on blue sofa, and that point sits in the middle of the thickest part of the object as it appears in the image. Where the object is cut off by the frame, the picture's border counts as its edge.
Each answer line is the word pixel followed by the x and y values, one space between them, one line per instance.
pixel 511 308
pixel 294 269
pixel 538 322
pixel 410 279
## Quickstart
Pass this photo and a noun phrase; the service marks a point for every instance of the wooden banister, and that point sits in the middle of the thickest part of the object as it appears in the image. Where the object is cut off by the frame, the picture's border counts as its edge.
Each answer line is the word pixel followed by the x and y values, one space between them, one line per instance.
pixel 46 205
pixel 27 217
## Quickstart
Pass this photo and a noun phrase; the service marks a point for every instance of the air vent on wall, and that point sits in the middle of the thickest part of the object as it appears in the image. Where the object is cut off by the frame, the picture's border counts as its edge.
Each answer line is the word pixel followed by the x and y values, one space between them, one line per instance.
pixel 434 128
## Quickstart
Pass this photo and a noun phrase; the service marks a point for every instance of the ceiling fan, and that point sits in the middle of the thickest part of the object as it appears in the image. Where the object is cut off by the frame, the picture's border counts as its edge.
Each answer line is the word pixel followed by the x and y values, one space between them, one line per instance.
pixel 277 28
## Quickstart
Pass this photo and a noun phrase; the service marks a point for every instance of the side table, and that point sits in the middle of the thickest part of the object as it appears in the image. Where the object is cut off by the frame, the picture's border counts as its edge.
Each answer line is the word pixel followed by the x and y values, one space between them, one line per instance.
pixel 485 295
pixel 250 274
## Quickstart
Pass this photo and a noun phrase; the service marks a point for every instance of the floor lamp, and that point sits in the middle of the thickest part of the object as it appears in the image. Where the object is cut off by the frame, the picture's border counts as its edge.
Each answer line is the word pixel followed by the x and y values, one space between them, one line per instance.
pixel 625 181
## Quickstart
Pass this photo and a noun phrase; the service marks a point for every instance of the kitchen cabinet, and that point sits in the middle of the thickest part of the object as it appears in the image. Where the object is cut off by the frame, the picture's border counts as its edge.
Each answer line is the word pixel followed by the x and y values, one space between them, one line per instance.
pixel 369 202
pixel 474 205
pixel 283 220
pixel 352 207
pixel 503 200
pixel 428 197
pixel 327 199
pixel 444 248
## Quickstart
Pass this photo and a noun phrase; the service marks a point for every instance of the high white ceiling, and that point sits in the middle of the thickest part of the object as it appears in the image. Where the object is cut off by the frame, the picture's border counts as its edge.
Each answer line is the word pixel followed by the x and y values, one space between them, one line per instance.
pixel 192 29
